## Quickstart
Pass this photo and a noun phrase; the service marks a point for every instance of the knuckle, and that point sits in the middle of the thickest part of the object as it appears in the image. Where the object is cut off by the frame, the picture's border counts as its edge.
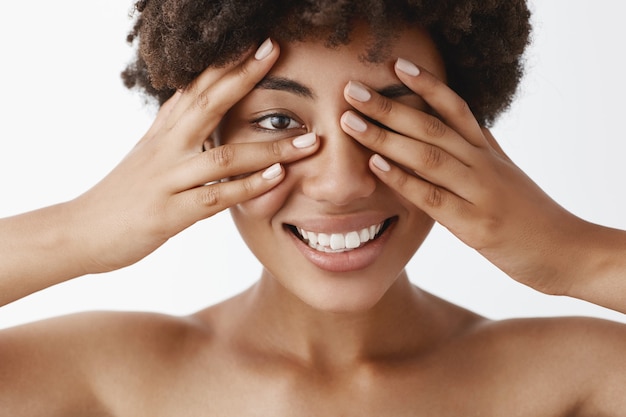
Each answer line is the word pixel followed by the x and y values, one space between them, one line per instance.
pixel 223 156
pixel 274 149
pixel 491 224
pixel 433 157
pixel 384 106
pixel 247 185
pixel 401 180
pixel 210 196
pixel 487 229
pixel 435 127
pixel 434 196
pixel 462 107
pixel 203 100
pixel 379 138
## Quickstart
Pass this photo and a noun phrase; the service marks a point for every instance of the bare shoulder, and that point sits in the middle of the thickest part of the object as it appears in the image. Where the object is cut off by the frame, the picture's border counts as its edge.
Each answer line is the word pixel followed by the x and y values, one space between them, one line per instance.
pixel 79 362
pixel 558 330
pixel 576 357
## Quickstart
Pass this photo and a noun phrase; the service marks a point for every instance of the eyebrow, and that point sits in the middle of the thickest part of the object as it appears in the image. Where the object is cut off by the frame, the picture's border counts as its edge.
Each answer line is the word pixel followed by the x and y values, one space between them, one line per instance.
pixel 294 87
pixel 395 91
pixel 285 84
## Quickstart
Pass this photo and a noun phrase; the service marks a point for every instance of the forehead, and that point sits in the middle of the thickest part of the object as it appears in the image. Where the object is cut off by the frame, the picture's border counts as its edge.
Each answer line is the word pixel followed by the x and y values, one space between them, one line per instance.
pixel 314 63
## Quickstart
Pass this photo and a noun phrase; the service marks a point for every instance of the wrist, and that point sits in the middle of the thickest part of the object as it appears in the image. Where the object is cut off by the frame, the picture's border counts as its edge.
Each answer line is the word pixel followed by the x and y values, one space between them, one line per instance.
pixel 560 261
pixel 598 271
pixel 37 251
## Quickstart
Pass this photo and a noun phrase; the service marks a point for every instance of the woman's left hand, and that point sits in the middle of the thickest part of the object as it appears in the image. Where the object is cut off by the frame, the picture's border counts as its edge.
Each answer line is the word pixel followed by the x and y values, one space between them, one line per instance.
pixel 454 170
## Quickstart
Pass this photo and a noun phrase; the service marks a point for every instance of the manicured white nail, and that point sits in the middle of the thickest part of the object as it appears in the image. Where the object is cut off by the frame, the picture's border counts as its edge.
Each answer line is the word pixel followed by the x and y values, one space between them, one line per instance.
pixel 264 50
pixel 407 67
pixel 272 172
pixel 358 92
pixel 354 122
pixel 305 140
pixel 380 163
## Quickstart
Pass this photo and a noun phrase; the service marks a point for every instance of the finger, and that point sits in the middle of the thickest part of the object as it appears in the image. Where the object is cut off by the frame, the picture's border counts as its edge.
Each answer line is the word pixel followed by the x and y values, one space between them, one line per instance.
pixel 454 111
pixel 235 159
pixel 207 78
pixel 210 103
pixel 201 202
pixel 407 120
pixel 494 143
pixel 437 202
pixel 164 113
pixel 426 160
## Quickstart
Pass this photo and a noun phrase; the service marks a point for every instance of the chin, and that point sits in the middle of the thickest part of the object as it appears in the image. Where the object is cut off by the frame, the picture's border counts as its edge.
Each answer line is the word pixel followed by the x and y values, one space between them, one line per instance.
pixel 356 294
pixel 346 307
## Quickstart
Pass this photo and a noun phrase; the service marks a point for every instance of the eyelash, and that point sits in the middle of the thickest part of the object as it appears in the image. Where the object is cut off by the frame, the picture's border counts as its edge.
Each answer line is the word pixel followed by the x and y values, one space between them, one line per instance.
pixel 257 123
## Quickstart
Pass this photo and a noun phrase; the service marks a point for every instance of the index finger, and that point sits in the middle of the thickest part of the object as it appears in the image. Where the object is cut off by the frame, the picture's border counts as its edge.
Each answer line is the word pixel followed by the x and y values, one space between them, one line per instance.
pixel 451 108
pixel 209 97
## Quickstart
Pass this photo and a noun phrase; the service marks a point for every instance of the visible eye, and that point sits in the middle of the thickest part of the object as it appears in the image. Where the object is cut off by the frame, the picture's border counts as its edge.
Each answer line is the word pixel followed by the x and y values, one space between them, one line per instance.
pixel 277 122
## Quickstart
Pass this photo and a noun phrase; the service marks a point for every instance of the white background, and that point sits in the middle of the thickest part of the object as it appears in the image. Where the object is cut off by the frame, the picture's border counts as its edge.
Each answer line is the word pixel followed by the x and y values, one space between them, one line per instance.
pixel 66 120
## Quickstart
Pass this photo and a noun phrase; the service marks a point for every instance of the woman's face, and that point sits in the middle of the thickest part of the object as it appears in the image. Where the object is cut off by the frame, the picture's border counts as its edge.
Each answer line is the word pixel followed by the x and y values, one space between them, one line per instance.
pixel 331 234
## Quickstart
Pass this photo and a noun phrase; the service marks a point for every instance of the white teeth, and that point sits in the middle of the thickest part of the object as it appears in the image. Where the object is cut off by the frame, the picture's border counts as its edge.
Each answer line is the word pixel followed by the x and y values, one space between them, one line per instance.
pixel 323 239
pixel 364 235
pixel 337 241
pixel 353 240
pixel 340 242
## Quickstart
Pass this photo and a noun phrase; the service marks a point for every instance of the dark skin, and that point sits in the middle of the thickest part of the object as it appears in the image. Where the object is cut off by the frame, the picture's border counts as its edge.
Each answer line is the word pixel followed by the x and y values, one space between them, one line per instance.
pixel 144 364
pixel 362 342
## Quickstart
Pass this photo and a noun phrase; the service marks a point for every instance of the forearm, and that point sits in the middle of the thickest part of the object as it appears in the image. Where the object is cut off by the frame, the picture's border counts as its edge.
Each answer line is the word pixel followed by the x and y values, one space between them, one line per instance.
pixel 38 249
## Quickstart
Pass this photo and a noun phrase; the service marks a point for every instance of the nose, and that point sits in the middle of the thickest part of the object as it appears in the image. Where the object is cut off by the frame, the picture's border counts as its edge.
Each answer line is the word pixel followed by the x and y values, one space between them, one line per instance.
pixel 338 173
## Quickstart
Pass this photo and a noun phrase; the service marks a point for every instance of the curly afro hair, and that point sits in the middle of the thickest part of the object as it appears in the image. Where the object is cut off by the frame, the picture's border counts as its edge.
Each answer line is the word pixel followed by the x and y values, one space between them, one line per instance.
pixel 482 41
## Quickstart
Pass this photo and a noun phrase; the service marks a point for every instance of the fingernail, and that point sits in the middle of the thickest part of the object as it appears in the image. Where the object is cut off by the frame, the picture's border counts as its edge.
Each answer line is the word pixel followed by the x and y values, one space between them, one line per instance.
pixel 407 67
pixel 380 163
pixel 305 141
pixel 272 172
pixel 354 122
pixel 358 92
pixel 264 50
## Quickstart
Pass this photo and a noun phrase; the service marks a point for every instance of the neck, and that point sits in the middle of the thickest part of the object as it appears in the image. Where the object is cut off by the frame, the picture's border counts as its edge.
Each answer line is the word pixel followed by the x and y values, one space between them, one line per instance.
pixel 402 323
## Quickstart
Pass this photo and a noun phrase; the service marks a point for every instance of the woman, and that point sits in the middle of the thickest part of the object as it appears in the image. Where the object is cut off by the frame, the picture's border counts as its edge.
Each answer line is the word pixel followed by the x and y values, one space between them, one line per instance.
pixel 328 151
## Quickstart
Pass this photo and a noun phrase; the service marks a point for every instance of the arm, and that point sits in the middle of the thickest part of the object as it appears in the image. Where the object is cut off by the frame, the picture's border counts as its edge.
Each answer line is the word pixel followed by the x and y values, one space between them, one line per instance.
pixel 599 276
pixel 463 180
pixel 164 185
pixel 39 249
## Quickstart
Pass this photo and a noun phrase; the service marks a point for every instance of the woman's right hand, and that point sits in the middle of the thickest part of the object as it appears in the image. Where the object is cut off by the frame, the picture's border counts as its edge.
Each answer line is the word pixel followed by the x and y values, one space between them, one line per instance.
pixel 169 181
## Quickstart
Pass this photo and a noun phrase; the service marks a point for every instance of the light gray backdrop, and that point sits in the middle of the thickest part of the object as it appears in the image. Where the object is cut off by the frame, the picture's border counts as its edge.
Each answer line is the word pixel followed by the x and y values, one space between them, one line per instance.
pixel 66 120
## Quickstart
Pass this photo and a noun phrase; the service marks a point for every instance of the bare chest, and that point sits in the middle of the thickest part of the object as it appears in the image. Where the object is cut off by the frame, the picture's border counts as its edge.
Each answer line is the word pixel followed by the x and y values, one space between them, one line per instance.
pixel 402 392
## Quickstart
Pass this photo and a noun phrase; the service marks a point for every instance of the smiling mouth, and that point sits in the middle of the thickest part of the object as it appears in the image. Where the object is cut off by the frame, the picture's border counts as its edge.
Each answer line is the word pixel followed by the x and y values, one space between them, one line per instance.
pixel 341 242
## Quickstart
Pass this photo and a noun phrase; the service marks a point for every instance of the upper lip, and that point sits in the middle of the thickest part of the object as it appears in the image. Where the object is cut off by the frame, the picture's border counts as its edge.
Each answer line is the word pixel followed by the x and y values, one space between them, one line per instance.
pixel 339 224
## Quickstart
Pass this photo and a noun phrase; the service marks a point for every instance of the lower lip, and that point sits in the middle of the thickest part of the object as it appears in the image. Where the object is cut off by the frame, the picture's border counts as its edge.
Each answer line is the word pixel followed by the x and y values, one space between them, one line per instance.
pixel 351 260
